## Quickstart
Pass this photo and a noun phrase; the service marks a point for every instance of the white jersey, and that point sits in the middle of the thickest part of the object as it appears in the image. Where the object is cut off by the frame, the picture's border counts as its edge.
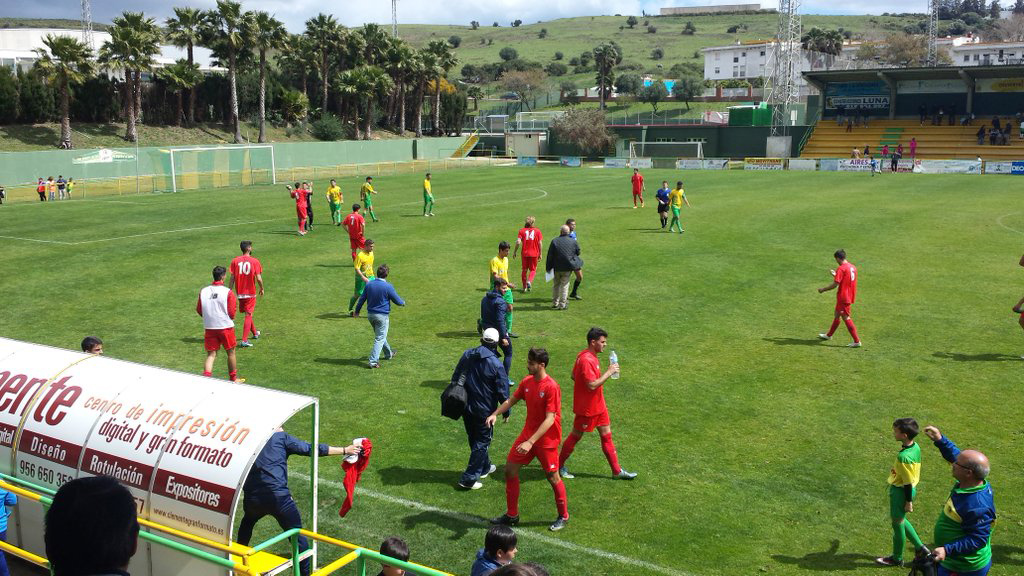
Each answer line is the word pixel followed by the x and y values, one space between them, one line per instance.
pixel 215 301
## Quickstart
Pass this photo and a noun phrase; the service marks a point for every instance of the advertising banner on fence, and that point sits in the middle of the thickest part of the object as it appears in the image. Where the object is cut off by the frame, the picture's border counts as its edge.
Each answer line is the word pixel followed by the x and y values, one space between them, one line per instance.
pixel 103 156
pixel 180 442
pixel 951 166
pixel 689 164
pixel 998 167
pixel 641 163
pixel 999 85
pixel 856 95
pixel 854 165
pixel 1017 168
pixel 616 162
pixel 828 164
pixel 572 161
pixel 716 164
pixel 763 163
pixel 949 86
pixel 804 164
pixel 526 160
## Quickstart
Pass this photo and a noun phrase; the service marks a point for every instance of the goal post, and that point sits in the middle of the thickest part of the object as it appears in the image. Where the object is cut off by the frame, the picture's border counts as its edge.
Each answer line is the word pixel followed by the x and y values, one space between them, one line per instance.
pixel 201 167
pixel 673 150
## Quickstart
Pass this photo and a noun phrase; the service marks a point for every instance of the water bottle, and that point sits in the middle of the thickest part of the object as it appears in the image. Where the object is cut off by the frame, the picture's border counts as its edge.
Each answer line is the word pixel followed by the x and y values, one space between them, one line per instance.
pixel 614 359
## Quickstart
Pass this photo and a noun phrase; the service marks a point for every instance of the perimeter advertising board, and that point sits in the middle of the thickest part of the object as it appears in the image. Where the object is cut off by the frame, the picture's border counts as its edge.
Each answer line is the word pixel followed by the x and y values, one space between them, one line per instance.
pixel 616 162
pixel 857 95
pixel 526 161
pixel 690 164
pixel 572 161
pixel 998 167
pixel 763 163
pixel 951 166
pixel 716 163
pixel 641 163
pixel 1017 168
pixel 181 443
pixel 803 164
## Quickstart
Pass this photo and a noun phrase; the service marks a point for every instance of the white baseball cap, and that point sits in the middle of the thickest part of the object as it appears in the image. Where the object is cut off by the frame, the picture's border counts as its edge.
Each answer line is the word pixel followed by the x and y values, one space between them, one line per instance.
pixel 491 335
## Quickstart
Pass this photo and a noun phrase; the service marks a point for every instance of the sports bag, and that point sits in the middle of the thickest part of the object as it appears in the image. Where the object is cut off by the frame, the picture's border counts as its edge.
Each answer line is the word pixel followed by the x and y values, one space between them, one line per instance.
pixel 453 399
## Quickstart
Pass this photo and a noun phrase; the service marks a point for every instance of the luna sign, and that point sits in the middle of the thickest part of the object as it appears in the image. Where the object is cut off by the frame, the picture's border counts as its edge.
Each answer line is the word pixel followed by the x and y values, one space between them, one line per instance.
pixel 181 443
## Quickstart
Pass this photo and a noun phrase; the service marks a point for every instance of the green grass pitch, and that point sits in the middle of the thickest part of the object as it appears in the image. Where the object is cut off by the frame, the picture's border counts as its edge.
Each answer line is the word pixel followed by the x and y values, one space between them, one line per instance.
pixel 760 449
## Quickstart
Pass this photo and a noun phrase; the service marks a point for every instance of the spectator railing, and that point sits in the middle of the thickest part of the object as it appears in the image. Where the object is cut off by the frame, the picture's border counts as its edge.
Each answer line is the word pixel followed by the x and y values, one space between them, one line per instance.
pixel 356 554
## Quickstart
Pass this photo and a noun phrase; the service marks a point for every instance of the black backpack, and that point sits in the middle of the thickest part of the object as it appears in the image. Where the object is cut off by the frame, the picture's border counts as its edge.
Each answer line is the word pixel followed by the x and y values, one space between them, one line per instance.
pixel 923 564
pixel 453 399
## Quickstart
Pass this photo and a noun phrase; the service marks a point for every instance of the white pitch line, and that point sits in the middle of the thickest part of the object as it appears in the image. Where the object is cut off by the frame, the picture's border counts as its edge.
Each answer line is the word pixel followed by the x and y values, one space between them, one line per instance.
pixel 171 231
pixel 521 532
pixel 35 240
pixel 1000 222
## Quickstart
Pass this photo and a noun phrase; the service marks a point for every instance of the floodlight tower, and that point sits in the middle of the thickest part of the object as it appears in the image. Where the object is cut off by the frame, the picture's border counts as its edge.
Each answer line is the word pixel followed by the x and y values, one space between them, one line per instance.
pixel 394 18
pixel 933 33
pixel 785 90
pixel 87 24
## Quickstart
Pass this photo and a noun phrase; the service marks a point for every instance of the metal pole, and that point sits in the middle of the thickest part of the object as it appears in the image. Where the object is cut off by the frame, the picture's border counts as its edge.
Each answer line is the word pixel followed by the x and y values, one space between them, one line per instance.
pixel 316 473
pixel 137 184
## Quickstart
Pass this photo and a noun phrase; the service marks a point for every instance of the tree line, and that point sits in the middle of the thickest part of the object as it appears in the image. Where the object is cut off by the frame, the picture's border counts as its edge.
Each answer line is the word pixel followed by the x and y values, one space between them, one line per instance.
pixel 363 77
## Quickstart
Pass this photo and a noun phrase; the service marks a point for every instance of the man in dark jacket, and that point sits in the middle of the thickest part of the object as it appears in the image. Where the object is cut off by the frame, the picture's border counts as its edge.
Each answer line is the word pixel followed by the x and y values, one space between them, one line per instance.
pixel 563 258
pixel 486 385
pixel 494 314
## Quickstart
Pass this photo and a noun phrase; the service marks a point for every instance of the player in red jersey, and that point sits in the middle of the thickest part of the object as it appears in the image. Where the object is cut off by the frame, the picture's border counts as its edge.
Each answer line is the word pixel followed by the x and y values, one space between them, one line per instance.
pixel 845 278
pixel 530 239
pixel 300 205
pixel 638 187
pixel 217 305
pixel 589 407
pixel 539 438
pixel 355 223
pixel 246 273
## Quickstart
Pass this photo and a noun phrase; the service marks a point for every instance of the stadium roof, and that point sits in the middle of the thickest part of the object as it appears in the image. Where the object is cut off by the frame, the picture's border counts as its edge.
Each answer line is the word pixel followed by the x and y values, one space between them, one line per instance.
pixel 937 73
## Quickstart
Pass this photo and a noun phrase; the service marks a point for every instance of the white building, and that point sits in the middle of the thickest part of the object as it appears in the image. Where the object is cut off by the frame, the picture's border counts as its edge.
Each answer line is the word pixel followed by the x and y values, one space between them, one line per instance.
pixel 18 45
pixel 987 53
pixel 753 59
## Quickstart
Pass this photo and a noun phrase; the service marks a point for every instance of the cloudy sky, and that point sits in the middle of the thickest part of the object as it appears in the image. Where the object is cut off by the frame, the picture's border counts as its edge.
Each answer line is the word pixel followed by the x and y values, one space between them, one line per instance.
pixel 355 13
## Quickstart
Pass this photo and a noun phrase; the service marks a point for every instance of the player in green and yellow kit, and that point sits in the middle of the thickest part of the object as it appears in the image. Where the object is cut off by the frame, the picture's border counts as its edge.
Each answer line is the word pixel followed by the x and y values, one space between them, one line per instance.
pixel 676 199
pixel 364 272
pixel 334 200
pixel 499 269
pixel 365 196
pixel 428 197
pixel 903 478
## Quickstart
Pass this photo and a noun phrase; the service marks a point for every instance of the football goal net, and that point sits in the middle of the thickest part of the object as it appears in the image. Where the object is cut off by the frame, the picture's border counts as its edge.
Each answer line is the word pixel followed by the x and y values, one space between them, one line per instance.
pixel 203 167
pixel 531 121
pixel 672 150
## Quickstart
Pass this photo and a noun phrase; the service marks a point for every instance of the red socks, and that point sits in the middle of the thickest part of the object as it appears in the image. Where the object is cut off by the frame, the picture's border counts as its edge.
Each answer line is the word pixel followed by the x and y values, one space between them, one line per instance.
pixel 608 447
pixel 207 374
pixel 561 500
pixel 567 447
pixel 512 495
pixel 851 328
pixel 832 330
pixel 248 328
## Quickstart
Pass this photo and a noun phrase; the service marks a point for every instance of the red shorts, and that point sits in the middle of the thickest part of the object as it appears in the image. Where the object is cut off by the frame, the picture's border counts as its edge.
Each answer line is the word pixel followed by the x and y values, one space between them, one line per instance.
pixel 301 212
pixel 843 308
pixel 217 337
pixel 530 262
pixel 548 457
pixel 246 304
pixel 638 192
pixel 588 423
pixel 356 243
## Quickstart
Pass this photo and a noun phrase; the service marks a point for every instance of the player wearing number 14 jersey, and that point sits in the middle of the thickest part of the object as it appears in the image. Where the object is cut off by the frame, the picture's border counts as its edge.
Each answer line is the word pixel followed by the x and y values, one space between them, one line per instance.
pixel 246 273
pixel 844 278
pixel 530 240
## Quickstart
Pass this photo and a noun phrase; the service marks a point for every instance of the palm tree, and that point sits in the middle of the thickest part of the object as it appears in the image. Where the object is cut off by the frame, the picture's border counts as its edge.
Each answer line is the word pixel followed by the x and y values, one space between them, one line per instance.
pixel 185 31
pixel 446 60
pixel 375 44
pixel 373 83
pixel 399 56
pixel 265 33
pixel 222 32
pixel 606 57
pixel 297 58
pixel 132 46
pixel 424 68
pixel 70 61
pixel 325 34
pixel 182 75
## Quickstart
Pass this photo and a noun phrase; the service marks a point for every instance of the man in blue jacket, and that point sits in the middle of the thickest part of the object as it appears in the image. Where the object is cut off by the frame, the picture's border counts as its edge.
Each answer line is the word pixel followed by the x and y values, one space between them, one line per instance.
pixel 378 296
pixel 266 493
pixel 493 314
pixel 486 385
pixel 963 531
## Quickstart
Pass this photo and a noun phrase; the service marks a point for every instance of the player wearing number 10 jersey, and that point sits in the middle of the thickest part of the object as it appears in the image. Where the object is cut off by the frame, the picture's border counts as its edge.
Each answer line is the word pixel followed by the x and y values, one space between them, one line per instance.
pixel 530 240
pixel 844 278
pixel 246 273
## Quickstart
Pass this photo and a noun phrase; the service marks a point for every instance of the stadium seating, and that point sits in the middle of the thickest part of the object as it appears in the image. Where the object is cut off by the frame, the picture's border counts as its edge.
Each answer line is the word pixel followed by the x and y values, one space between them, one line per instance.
pixel 934 142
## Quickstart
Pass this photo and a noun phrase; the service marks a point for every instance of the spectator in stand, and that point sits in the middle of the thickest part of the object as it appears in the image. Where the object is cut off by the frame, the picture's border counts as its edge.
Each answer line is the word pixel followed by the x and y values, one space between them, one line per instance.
pixel 849 124
pixel 396 548
pixel 994 136
pixel 952 114
pixel 855 153
pixel 913 147
pixel 1020 130
pixel 91 528
pixel 865 115
pixel 995 123
pixel 92 345
pixel 899 149
pixel 885 151
pixel 867 151
pixel 1007 132
pixel 981 135
pixel 922 111
pixel 840 112
pixel 499 550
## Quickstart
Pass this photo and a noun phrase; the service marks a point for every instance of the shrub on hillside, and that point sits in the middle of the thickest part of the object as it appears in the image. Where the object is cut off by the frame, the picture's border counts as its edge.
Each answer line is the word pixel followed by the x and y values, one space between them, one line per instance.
pixel 328 128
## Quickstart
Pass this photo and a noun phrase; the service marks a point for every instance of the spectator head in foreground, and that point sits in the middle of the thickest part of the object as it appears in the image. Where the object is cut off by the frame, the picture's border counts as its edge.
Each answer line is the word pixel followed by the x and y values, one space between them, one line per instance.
pixel 92 345
pixel 91 527
pixel 396 548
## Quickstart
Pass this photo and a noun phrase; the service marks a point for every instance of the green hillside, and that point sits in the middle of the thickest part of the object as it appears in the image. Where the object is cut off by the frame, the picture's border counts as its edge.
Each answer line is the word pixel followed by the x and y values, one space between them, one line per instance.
pixel 571 36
